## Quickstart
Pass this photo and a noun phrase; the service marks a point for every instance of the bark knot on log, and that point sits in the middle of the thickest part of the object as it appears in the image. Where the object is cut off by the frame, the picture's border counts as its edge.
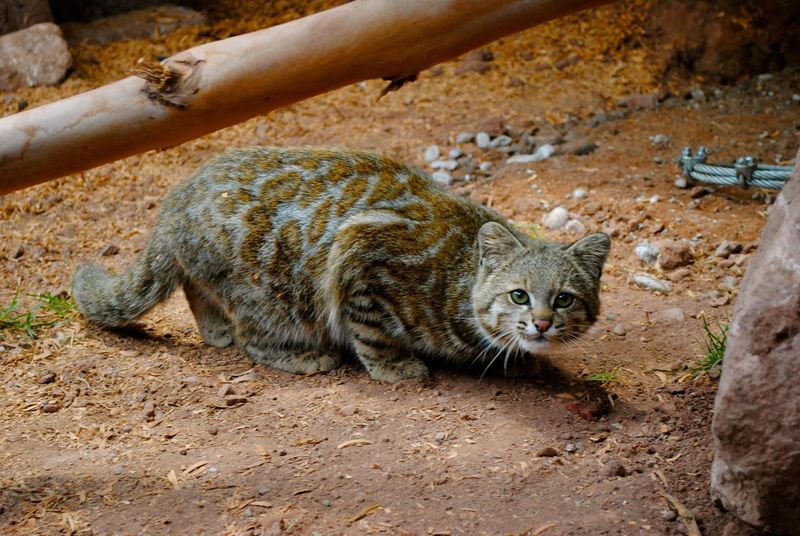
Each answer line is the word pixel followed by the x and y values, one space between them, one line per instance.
pixel 171 82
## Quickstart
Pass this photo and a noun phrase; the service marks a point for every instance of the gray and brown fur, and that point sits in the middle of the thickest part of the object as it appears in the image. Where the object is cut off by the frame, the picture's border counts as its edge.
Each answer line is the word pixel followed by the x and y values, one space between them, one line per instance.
pixel 300 254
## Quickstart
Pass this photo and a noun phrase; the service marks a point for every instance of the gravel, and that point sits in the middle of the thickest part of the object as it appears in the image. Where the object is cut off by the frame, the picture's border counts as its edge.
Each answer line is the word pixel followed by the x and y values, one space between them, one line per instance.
pixel 485 166
pixel 727 248
pixel 449 165
pixel 455 153
pixel 501 141
pixel 482 140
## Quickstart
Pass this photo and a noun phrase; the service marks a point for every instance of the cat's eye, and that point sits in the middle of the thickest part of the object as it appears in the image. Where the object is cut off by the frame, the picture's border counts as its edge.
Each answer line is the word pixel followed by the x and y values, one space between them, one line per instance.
pixel 519 296
pixel 564 300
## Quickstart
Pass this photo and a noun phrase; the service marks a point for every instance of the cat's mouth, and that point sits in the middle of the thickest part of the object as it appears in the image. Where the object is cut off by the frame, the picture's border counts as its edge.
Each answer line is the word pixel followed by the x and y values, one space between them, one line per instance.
pixel 534 342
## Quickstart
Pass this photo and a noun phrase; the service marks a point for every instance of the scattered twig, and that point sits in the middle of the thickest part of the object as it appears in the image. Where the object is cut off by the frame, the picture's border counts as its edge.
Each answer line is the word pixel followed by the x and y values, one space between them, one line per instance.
pixel 684 513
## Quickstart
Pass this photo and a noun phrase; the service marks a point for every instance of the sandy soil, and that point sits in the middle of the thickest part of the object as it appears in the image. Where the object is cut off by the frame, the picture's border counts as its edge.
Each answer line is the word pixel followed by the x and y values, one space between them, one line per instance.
pixel 138 432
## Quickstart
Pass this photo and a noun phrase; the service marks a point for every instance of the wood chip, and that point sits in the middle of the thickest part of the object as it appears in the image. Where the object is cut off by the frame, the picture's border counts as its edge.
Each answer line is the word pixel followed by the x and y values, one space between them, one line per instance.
pixel 354 443
pixel 543 529
pixel 684 513
pixel 195 467
pixel 371 509
pixel 173 478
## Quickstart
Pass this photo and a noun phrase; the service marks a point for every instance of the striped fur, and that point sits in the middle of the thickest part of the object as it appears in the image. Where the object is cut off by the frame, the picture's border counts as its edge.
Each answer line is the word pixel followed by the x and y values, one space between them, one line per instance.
pixel 300 254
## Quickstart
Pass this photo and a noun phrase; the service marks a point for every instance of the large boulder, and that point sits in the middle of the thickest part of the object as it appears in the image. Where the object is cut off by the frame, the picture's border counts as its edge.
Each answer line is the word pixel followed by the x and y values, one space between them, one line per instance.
pixel 18 14
pixel 35 56
pixel 756 428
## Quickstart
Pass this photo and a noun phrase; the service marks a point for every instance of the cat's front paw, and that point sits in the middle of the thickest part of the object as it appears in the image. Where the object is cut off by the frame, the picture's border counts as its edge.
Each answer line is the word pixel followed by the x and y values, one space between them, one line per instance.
pixel 219 338
pixel 395 371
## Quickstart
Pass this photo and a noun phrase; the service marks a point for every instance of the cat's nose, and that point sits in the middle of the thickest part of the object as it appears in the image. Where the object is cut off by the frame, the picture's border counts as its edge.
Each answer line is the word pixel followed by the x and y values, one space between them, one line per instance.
pixel 542 325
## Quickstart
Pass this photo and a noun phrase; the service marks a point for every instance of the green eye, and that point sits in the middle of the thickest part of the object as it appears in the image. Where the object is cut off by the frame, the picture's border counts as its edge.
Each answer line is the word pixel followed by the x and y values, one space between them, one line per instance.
pixel 564 300
pixel 519 296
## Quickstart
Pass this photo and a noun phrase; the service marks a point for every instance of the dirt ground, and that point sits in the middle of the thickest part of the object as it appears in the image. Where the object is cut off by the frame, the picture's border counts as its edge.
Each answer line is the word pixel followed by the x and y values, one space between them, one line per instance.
pixel 136 433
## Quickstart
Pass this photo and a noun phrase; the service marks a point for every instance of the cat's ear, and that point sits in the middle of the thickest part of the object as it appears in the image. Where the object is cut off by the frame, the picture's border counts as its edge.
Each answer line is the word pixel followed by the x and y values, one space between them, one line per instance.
pixel 495 242
pixel 591 252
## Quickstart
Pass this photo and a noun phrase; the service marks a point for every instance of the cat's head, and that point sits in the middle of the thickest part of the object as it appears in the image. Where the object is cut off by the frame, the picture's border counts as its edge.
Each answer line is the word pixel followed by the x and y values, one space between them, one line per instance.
pixel 529 293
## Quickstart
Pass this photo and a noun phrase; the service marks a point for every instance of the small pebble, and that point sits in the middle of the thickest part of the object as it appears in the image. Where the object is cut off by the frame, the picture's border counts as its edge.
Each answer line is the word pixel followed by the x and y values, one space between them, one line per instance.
pixel 651 283
pixel 225 390
pixel 619 329
pixel 109 250
pixel 149 409
pixel 235 400
pixel 669 515
pixel 556 218
pixel 51 406
pixel 485 166
pixel 681 183
pixel 442 178
pixel 213 469
pixel 698 94
pixel 47 377
pixel 501 141
pixel 118 469
pixel 439 437
pixel 579 193
pixel 547 452
pixel 449 165
pixel 482 140
pixel 646 252
pixel 661 140
pixel 432 153
pixel 570 447
pixel 348 410
pixel 575 227
pixel 191 381
pixel 727 248
pixel 464 137
pixel 455 153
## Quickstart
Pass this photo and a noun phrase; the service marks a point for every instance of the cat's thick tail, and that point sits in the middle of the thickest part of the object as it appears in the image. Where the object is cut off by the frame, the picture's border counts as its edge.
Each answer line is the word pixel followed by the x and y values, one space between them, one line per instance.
pixel 116 300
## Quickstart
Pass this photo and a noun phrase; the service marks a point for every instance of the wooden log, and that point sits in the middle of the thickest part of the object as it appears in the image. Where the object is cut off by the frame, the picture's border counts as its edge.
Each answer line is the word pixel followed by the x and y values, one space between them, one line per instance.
pixel 218 84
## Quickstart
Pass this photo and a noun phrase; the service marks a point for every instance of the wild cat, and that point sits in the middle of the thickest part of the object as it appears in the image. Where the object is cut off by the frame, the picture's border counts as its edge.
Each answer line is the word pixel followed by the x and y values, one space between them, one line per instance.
pixel 299 255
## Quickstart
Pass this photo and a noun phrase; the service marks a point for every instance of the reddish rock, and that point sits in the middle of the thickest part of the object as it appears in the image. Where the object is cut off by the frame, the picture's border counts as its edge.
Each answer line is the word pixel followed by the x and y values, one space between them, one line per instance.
pixel 674 254
pixel 19 14
pixel 35 56
pixel 756 425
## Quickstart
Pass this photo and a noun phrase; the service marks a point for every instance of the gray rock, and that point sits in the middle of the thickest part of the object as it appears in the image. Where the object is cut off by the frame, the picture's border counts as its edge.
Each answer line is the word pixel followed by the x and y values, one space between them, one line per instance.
pixel 501 141
pixel 455 153
pixel 619 330
pixel 482 140
pixel 726 248
pixel 449 165
pixel 431 153
pixel 118 469
pixel 556 218
pixel 442 178
pixel 579 146
pixel 681 183
pixel 575 227
pixel 698 94
pixel 649 282
pixel 464 137
pixel 485 166
pixel 35 56
pixel 646 252
pixel 756 425
pixel 542 153
pixel 579 193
